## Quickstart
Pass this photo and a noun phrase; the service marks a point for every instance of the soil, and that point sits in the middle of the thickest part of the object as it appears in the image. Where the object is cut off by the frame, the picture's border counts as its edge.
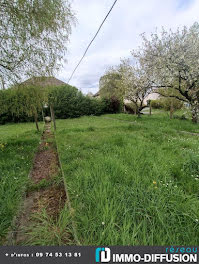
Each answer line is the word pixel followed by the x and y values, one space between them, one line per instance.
pixel 45 163
pixel 51 198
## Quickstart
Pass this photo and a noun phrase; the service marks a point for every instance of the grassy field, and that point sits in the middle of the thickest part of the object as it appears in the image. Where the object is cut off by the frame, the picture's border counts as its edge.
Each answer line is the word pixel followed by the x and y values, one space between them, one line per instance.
pixel 132 181
pixel 18 142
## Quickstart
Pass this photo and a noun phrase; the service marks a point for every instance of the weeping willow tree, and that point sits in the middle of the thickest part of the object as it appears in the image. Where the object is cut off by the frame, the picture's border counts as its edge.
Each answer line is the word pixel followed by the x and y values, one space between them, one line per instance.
pixel 34 36
pixel 23 100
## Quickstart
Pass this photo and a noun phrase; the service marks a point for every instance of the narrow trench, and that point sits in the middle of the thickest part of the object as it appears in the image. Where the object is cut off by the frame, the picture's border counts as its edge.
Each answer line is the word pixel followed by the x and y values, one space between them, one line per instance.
pixel 43 217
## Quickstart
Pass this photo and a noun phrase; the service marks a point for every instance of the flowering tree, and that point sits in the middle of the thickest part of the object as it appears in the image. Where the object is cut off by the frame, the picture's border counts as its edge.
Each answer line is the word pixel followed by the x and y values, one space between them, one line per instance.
pixel 136 84
pixel 171 60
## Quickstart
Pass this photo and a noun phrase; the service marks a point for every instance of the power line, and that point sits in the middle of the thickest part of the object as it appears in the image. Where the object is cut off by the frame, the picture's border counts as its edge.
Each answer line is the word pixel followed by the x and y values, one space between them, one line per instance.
pixel 92 40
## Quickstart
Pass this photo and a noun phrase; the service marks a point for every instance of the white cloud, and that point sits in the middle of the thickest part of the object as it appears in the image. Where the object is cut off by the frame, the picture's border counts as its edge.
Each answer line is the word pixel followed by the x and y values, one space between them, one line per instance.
pixel 120 33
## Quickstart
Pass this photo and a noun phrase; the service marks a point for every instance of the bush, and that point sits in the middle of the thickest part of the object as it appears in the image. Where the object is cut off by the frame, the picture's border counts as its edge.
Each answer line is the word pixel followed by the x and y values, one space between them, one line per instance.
pixel 156 104
pixel 165 103
pixel 10 117
pixel 130 108
pixel 68 102
pixel 111 105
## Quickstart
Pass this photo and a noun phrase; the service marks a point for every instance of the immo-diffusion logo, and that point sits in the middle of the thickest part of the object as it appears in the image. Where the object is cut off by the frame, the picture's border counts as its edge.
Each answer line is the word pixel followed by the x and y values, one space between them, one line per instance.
pixel 102 255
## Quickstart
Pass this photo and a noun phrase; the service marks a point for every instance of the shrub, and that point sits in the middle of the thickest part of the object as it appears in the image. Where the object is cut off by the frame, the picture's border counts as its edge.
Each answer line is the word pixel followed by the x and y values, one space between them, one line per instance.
pixel 156 104
pixel 68 102
pixel 130 108
pixel 165 103
pixel 111 105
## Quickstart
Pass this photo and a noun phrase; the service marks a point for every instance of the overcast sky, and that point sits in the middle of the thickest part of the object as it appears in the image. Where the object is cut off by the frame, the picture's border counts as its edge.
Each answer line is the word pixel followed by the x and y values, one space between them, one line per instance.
pixel 119 35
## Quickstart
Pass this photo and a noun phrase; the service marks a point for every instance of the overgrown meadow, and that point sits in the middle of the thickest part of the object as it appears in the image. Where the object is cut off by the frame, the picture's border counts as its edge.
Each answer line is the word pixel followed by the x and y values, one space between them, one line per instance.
pixel 18 143
pixel 132 181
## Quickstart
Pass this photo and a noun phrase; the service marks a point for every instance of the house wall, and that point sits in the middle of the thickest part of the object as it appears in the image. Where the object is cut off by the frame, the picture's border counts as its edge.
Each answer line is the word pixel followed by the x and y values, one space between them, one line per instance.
pixel 152 96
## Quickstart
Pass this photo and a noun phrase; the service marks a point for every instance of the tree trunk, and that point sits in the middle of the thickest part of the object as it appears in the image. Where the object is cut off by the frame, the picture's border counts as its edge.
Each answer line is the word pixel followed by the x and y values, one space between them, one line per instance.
pixel 195 112
pixel 53 116
pixel 150 108
pixel 139 112
pixel 36 121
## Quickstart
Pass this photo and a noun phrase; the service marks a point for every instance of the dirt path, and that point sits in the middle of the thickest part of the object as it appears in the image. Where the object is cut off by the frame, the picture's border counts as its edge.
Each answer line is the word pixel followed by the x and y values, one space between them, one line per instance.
pixel 44 201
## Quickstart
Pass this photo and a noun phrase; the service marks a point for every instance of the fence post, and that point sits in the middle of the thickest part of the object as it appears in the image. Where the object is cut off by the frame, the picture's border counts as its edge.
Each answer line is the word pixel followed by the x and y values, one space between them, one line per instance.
pixel 53 116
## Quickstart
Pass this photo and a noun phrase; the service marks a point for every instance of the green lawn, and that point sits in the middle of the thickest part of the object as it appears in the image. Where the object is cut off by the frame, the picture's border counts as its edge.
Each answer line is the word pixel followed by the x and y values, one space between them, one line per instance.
pixel 18 142
pixel 134 182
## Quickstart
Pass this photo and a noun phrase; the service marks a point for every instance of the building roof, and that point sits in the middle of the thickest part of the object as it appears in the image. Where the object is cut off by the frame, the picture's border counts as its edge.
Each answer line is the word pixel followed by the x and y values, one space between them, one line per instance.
pixel 43 81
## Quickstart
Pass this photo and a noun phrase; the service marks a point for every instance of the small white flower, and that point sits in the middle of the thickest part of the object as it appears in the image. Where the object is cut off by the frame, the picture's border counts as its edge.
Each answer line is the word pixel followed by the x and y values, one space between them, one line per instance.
pixel 103 223
pixel 196 220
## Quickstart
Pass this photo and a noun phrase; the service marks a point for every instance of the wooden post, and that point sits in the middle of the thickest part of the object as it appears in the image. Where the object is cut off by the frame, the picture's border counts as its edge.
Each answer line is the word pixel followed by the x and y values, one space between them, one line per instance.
pixel 150 108
pixel 43 115
pixel 36 121
pixel 138 112
pixel 53 116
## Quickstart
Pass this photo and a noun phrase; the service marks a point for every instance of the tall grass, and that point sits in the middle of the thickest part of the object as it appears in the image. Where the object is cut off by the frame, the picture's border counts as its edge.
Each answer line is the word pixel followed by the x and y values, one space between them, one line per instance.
pixel 46 231
pixel 18 143
pixel 132 183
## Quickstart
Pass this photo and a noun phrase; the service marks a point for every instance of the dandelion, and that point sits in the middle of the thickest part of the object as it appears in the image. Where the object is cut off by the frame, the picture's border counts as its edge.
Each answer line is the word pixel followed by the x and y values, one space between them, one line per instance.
pixel 2 146
pixel 154 182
